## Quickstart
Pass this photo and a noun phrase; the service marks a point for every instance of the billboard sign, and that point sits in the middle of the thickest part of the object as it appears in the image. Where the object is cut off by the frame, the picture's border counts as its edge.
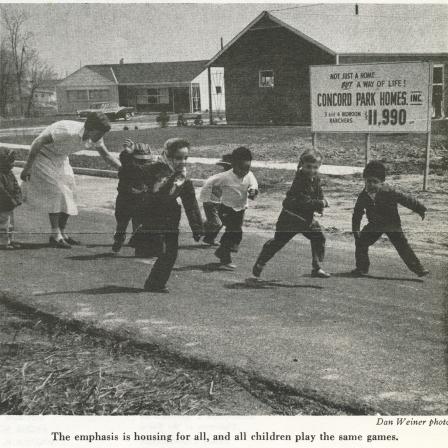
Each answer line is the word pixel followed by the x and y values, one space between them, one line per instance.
pixel 369 98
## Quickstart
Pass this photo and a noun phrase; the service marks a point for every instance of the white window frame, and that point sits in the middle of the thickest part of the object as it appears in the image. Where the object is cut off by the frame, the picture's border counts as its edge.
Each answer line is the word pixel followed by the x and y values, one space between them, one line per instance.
pixel 260 76
pixel 196 98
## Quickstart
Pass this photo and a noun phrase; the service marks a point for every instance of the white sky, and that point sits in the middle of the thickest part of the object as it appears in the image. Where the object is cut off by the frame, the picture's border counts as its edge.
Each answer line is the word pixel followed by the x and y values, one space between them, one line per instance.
pixel 68 35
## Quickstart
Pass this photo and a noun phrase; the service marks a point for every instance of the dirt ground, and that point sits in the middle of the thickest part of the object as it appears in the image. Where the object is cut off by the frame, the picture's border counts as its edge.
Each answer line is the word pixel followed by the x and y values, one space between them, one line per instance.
pixel 430 235
pixel 403 154
pixel 49 368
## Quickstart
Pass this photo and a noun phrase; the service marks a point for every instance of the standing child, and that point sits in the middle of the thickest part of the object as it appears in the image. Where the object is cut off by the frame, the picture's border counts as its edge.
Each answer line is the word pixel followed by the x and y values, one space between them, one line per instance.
pixel 10 198
pixel 304 198
pixel 379 201
pixel 212 204
pixel 131 186
pixel 232 189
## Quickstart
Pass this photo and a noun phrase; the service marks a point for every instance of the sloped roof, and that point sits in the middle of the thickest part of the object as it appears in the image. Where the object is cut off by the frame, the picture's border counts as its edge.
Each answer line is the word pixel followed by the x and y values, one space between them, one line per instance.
pixel 377 29
pixel 150 73
pixel 49 84
pixel 103 70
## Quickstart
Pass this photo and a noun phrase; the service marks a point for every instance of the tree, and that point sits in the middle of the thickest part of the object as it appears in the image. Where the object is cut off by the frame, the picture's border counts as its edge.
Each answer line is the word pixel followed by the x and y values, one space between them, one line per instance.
pixel 22 71
pixel 19 45
pixel 38 73
pixel 6 77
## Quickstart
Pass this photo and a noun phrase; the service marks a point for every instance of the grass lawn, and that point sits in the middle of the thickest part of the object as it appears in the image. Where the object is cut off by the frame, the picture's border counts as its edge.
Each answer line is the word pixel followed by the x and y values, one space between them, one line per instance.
pixel 402 153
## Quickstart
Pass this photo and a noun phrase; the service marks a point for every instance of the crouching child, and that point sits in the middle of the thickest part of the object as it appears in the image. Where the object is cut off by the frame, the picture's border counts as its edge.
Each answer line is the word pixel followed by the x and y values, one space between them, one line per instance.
pixel 379 202
pixel 304 198
pixel 10 198
pixel 159 213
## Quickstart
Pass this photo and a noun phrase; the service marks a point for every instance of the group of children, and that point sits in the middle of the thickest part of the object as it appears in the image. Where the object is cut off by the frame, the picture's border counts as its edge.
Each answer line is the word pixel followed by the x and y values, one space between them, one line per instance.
pixel 149 188
pixel 225 197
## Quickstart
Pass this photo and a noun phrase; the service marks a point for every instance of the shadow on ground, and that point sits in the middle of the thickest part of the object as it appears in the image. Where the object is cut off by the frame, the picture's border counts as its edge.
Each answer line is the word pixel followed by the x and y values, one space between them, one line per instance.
pixel 251 283
pixel 377 277
pixel 107 289
pixel 91 257
pixel 207 267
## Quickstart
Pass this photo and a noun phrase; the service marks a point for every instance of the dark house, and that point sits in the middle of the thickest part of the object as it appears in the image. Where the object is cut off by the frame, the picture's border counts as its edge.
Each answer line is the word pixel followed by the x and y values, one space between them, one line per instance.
pixel 266 66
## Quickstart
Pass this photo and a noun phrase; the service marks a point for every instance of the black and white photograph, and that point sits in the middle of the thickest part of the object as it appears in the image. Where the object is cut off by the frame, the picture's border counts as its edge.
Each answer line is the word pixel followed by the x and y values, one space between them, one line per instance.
pixel 224 209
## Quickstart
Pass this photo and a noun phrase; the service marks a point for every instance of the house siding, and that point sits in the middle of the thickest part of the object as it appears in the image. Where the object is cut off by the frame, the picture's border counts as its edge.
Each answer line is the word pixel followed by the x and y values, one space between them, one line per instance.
pixel 83 79
pixel 179 99
pixel 68 107
pixel 121 81
pixel 269 47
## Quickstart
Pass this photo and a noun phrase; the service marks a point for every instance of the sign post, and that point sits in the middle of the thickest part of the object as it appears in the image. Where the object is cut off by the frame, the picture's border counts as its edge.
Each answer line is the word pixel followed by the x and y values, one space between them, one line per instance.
pixel 380 98
pixel 428 135
pixel 314 140
pixel 367 148
pixel 427 160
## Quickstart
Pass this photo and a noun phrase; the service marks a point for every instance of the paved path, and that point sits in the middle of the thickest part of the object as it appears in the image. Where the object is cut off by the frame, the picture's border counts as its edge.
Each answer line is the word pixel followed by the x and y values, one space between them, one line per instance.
pixel 335 170
pixel 377 344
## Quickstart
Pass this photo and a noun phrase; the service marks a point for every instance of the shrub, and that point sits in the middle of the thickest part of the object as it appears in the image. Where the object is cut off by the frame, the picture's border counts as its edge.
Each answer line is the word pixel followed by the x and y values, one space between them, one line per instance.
pixel 163 118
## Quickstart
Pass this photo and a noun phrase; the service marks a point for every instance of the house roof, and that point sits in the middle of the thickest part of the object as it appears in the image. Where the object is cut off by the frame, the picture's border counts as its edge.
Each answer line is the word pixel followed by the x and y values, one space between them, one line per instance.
pixel 377 29
pixel 49 84
pixel 150 73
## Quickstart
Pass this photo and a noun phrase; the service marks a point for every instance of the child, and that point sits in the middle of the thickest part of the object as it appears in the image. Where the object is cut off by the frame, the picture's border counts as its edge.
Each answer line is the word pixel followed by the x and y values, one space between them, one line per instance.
pixel 379 201
pixel 232 189
pixel 160 211
pixel 304 198
pixel 147 239
pixel 130 188
pixel 10 198
pixel 211 205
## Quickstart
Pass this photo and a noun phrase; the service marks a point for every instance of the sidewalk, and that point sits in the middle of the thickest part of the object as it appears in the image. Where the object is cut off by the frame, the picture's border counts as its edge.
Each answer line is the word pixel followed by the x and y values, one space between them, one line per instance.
pixel 363 345
pixel 333 170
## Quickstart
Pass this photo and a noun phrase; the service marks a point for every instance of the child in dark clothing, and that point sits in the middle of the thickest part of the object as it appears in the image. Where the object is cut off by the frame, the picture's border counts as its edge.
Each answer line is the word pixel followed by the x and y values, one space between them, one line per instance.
pixel 130 188
pixel 160 212
pixel 304 198
pixel 10 198
pixel 148 239
pixel 380 203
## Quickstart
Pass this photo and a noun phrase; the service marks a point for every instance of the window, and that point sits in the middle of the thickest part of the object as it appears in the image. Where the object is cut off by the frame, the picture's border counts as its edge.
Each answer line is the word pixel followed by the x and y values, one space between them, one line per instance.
pixel 153 96
pixel 77 95
pixel 266 78
pixel 437 91
pixel 99 95
pixel 218 90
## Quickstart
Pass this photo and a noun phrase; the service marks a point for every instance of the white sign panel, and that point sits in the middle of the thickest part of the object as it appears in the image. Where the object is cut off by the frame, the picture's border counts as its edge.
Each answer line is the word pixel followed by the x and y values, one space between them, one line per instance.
pixel 370 98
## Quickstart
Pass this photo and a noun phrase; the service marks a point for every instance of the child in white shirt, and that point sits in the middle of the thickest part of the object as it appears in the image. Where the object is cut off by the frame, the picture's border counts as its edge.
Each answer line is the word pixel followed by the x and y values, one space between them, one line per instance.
pixel 211 205
pixel 232 189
